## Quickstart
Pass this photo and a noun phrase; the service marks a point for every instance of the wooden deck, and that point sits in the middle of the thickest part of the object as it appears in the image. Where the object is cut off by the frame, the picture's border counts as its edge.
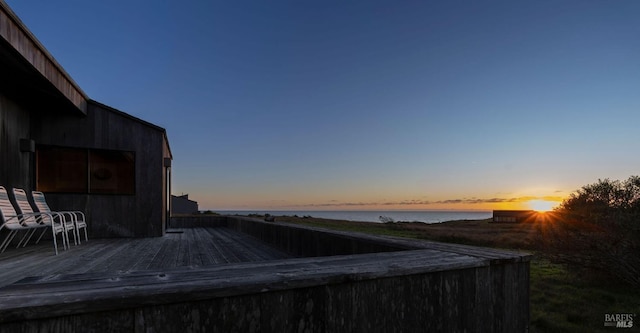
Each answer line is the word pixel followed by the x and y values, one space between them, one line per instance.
pixel 224 279
pixel 189 247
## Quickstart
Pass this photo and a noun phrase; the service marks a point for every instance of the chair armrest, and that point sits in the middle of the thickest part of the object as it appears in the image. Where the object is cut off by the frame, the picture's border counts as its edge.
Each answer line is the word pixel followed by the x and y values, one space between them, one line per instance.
pixel 22 217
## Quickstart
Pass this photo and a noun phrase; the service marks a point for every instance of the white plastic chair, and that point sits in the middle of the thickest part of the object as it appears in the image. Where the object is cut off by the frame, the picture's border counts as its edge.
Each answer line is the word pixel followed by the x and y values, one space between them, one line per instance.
pixel 16 222
pixel 63 225
pixel 10 220
pixel 77 217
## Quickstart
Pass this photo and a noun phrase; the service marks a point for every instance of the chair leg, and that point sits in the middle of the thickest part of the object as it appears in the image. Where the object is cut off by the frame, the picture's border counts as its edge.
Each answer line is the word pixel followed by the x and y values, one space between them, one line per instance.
pixel 65 238
pixel 5 241
pixel 31 233
pixel 65 243
pixel 55 240
pixel 75 238
pixel 22 239
pixel 42 234
pixel 76 235
pixel 26 236
pixel 8 240
pixel 75 241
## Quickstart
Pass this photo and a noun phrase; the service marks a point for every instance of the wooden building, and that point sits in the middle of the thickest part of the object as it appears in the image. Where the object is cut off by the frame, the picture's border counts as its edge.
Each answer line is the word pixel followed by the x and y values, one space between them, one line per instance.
pixel 181 204
pixel 82 154
pixel 512 216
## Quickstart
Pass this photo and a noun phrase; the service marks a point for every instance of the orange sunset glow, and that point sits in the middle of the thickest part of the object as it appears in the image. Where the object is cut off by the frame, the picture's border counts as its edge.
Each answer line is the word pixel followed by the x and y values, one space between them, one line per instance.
pixel 541 205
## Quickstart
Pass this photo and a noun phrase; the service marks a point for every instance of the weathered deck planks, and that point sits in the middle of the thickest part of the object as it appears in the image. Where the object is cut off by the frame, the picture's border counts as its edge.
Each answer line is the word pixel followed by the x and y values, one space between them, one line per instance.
pixel 100 291
pixel 194 247
pixel 221 277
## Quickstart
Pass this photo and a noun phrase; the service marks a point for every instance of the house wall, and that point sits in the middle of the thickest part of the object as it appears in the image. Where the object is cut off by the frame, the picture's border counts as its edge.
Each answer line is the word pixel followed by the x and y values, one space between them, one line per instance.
pixel 15 166
pixel 166 183
pixel 139 215
pixel 39 101
pixel 512 216
pixel 182 205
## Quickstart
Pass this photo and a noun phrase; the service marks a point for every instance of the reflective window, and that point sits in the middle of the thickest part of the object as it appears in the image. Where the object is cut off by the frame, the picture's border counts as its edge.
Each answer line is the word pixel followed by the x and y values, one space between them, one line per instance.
pixel 78 170
pixel 61 170
pixel 111 172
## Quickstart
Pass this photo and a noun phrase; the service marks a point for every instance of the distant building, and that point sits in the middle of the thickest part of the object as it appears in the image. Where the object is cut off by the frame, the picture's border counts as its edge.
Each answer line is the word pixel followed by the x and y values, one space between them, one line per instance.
pixel 512 216
pixel 183 205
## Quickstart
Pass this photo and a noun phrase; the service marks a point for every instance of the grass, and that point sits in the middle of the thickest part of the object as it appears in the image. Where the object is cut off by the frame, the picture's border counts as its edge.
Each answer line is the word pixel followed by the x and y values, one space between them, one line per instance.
pixel 561 300
pixel 564 301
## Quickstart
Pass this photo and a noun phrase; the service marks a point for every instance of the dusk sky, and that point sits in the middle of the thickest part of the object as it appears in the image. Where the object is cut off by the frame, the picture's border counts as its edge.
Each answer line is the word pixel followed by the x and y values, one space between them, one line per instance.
pixel 309 105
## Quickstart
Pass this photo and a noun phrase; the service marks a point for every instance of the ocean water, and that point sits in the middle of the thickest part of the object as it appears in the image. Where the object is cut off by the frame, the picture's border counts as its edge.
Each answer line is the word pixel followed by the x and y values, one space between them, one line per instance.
pixel 426 216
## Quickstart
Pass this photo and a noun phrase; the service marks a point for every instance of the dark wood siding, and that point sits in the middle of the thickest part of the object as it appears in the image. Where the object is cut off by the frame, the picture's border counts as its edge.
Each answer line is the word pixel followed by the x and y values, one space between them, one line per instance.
pixel 138 215
pixel 15 166
pixel 39 101
pixel 166 183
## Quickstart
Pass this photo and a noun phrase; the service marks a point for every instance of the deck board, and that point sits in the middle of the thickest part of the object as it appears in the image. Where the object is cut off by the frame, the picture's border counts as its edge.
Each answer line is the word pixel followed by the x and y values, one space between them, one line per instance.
pixel 209 253
pixel 193 247
pixel 183 253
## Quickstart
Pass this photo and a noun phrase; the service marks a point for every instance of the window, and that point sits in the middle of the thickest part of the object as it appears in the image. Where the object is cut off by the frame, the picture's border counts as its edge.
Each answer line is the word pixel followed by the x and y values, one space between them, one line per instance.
pixel 111 172
pixel 77 170
pixel 61 170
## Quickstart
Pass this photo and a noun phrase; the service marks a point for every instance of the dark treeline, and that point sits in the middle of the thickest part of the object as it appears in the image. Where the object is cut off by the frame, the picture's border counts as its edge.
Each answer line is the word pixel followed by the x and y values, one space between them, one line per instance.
pixel 598 228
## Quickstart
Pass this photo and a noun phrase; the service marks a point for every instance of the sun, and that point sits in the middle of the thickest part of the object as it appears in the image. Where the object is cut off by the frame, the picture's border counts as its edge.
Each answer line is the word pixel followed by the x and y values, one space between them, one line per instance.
pixel 540 205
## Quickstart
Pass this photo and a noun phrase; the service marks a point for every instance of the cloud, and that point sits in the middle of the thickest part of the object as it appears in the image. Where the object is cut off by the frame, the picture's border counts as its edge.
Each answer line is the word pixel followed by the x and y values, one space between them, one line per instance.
pixel 416 202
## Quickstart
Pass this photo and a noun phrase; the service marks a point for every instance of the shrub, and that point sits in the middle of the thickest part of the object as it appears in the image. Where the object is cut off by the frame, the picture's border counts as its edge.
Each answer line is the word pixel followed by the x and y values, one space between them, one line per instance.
pixel 386 219
pixel 598 227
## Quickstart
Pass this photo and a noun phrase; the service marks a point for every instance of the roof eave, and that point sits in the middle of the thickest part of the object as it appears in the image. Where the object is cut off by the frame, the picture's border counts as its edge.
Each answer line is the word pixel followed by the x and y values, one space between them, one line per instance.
pixel 15 32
